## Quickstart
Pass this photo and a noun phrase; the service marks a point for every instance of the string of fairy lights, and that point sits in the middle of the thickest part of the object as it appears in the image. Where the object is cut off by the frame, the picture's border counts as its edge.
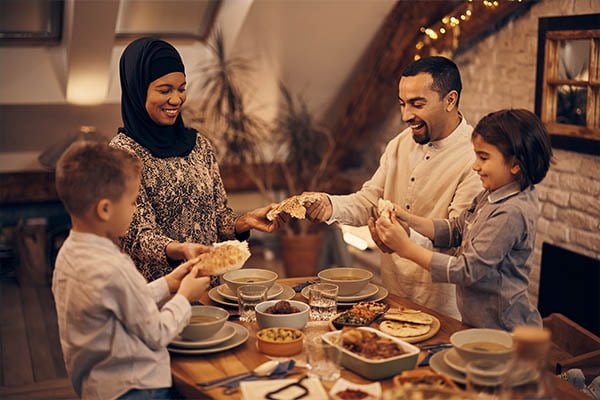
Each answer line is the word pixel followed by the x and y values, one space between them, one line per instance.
pixel 447 30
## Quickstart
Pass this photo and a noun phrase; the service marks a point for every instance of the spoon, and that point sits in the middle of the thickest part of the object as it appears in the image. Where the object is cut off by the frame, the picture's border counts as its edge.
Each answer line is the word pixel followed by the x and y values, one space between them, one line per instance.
pixel 264 369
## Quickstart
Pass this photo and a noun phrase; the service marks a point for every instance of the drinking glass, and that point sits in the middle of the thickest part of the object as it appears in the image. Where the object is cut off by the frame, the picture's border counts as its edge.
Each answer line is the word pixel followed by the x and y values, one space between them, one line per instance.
pixel 323 359
pixel 248 297
pixel 322 301
pixel 484 377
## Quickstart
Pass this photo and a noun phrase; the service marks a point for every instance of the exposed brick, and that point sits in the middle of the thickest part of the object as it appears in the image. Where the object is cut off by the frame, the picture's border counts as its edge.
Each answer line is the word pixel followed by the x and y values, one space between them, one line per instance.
pixel 558 232
pixel 580 184
pixel 589 240
pixel 567 161
pixel 552 178
pixel 549 211
pixel 557 197
pixel 543 226
pixel 590 166
pixel 578 219
pixel 585 203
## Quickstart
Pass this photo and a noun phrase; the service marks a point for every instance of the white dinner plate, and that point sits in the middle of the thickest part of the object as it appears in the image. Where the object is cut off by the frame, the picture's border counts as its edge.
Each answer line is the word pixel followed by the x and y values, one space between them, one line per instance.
pixel 367 291
pixel 454 360
pixel 227 293
pixel 240 336
pixel 213 294
pixel 222 335
pixel 438 364
pixel 381 294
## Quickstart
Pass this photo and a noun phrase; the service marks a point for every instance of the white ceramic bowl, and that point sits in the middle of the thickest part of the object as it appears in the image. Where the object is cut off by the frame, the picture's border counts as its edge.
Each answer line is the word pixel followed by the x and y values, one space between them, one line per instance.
pixel 377 369
pixel 295 320
pixel 249 276
pixel 215 320
pixel 470 344
pixel 350 280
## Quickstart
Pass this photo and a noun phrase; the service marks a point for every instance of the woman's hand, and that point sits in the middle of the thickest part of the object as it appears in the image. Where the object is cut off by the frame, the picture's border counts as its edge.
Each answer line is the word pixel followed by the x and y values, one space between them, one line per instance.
pixel 192 286
pixel 375 237
pixel 319 210
pixel 185 251
pixel 175 277
pixel 257 219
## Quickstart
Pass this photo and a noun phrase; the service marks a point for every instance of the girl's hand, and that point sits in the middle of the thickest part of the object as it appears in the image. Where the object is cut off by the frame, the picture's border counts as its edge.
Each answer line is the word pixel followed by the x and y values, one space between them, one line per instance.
pixel 392 233
pixel 375 237
pixel 175 277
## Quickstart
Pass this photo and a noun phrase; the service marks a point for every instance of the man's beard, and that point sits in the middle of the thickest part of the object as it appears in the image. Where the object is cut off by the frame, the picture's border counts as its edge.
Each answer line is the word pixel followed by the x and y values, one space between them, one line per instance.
pixel 422 139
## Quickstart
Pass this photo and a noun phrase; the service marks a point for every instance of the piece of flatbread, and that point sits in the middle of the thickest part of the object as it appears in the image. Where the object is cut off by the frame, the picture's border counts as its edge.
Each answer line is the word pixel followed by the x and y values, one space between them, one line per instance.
pixel 408 315
pixel 294 206
pixel 384 208
pixel 403 329
pixel 225 256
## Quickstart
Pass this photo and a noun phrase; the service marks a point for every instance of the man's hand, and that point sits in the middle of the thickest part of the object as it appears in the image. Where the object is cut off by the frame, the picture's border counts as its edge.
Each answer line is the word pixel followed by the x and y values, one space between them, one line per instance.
pixel 319 210
pixel 192 286
pixel 257 219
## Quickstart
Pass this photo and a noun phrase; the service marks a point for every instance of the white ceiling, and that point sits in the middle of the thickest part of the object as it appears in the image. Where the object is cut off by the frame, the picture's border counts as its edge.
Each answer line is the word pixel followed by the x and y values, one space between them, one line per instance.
pixel 312 46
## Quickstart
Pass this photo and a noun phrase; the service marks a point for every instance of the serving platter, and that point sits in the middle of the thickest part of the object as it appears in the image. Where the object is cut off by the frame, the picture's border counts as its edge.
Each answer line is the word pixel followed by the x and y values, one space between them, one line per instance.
pixel 240 336
pixel 214 295
pixel 222 335
pixel 226 292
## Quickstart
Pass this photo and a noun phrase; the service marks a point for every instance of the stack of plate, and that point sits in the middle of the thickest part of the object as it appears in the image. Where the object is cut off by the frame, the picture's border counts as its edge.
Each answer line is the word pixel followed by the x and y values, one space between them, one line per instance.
pixel 371 292
pixel 449 362
pixel 225 296
pixel 230 336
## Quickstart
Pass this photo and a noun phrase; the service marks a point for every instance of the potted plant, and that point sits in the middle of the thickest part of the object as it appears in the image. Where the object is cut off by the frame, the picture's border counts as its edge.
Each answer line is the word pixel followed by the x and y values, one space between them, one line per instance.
pixel 308 147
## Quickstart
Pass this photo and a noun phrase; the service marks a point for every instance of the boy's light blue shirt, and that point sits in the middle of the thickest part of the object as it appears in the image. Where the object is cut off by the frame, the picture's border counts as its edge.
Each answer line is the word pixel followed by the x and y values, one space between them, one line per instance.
pixel 112 333
pixel 496 237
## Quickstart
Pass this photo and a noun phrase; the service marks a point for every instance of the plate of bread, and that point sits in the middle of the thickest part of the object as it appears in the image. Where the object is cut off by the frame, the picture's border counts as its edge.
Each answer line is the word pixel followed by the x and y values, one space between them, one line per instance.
pixel 410 325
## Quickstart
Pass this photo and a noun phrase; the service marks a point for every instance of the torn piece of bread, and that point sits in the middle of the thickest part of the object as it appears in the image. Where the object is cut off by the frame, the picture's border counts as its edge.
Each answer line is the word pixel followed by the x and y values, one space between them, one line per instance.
pixel 403 329
pixel 294 206
pixel 385 208
pixel 225 256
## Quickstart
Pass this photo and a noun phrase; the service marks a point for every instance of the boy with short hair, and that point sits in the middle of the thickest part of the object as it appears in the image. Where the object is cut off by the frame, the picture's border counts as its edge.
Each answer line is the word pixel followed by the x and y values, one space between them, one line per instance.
pixel 112 332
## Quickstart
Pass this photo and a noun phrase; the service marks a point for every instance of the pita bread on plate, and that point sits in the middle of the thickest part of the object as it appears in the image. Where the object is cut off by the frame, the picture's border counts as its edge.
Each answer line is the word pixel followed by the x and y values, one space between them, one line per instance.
pixel 294 206
pixel 403 329
pixel 225 256
pixel 408 315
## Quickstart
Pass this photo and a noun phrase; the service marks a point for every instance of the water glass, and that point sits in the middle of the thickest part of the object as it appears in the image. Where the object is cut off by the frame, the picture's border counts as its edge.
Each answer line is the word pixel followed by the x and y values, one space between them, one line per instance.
pixel 323 359
pixel 322 299
pixel 248 297
pixel 484 377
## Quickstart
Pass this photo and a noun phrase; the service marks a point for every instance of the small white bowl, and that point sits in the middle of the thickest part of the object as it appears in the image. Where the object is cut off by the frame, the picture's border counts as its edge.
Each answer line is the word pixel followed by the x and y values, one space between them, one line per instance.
pixel 350 280
pixel 196 331
pixel 249 276
pixel 294 320
pixel 462 340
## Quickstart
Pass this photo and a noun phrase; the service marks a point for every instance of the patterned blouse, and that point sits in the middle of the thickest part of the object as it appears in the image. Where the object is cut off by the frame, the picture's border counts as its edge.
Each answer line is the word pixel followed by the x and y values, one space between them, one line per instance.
pixel 182 199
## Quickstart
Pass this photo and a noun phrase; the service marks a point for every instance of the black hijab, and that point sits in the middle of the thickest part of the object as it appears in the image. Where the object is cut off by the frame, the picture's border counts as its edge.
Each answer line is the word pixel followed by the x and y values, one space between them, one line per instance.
pixel 143 61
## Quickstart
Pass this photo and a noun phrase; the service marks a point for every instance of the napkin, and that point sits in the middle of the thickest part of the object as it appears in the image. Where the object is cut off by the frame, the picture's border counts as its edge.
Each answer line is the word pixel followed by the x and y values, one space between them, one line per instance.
pixel 257 390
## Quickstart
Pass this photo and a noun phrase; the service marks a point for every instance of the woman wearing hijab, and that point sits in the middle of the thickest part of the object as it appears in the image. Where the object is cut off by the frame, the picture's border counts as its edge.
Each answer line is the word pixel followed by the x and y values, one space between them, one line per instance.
pixel 182 205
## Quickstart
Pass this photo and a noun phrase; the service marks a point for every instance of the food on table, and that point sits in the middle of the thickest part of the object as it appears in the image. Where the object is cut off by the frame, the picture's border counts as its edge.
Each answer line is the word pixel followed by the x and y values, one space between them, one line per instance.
pixel 224 257
pixel 282 307
pixel 403 329
pixel 424 378
pixel 279 334
pixel 361 314
pixel 406 323
pixel 294 206
pixel 490 347
pixel 369 344
pixel 352 394
pixel 385 208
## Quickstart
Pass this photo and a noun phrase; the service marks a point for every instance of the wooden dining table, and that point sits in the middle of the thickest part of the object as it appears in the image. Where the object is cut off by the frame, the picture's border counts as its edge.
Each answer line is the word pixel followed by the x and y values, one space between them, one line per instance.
pixel 188 370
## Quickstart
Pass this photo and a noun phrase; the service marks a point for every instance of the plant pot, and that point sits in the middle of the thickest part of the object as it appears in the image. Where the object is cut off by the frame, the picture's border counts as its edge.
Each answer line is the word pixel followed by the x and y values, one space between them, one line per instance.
pixel 300 253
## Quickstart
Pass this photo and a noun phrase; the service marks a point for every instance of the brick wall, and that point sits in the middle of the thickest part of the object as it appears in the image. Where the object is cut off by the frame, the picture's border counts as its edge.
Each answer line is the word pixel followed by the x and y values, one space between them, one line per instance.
pixel 499 72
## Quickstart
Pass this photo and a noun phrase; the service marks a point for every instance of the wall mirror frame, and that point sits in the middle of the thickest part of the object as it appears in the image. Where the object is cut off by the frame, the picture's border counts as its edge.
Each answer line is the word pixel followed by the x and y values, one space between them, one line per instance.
pixel 567 90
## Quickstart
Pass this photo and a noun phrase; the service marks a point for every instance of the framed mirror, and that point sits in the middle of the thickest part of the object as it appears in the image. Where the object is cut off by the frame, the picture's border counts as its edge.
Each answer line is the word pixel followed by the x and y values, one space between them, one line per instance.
pixel 567 95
